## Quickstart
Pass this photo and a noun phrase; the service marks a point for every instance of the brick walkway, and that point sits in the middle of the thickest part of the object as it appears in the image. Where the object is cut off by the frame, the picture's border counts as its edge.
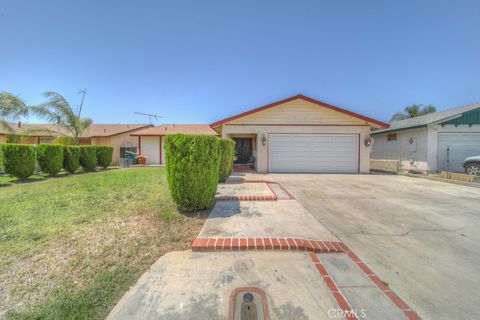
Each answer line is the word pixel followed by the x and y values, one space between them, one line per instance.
pixel 291 244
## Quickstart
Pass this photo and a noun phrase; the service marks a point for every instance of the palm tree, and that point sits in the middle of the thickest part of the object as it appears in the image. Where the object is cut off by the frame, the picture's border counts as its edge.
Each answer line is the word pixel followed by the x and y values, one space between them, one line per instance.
pixel 415 110
pixel 66 121
pixel 11 108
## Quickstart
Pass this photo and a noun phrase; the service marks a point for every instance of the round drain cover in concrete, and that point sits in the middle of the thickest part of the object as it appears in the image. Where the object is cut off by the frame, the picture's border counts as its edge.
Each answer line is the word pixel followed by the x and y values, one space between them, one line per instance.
pixel 248 303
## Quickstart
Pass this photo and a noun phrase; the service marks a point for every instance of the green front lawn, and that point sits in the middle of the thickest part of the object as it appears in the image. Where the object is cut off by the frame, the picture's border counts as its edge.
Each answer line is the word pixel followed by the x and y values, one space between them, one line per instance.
pixel 70 247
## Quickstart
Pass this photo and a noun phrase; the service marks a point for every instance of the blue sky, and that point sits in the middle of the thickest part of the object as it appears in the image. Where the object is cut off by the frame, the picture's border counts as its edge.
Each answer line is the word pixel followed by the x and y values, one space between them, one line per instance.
pixel 200 61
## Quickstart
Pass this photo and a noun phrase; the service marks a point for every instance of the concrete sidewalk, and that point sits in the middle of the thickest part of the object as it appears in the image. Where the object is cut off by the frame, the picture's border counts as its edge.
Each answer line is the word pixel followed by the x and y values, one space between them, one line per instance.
pixel 283 218
pixel 298 284
pixel 197 285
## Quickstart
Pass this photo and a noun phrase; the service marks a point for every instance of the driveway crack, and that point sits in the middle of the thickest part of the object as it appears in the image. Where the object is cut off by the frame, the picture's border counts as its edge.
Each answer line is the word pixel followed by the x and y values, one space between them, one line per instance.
pixel 400 234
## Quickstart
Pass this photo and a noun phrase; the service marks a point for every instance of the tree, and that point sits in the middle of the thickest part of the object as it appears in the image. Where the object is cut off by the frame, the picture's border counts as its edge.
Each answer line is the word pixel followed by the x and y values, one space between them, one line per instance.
pixel 58 111
pixel 11 108
pixel 415 110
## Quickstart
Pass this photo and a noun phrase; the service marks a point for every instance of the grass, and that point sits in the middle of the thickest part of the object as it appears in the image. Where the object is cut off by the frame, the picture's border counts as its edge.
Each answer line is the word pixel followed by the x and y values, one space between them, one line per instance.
pixel 70 247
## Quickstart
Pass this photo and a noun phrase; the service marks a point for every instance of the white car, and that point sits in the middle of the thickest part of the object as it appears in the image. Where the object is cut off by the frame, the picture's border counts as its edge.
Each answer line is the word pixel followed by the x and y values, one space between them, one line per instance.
pixel 472 165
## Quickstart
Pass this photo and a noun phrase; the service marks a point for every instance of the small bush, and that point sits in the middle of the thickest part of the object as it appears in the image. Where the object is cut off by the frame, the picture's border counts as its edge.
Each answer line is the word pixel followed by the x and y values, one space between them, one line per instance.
pixel 64 140
pixel 19 159
pixel 88 157
pixel 104 156
pixel 71 158
pixel 192 170
pixel 227 150
pixel 50 158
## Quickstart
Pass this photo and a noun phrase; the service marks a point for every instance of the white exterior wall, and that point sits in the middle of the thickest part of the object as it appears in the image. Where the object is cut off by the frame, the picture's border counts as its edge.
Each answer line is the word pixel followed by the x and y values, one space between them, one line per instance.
pixel 412 156
pixel 426 154
pixel 433 132
pixel 261 165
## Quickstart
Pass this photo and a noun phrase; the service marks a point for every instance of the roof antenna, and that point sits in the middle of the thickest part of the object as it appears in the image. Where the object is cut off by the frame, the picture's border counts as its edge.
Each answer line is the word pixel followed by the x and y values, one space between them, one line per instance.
pixel 84 91
pixel 150 116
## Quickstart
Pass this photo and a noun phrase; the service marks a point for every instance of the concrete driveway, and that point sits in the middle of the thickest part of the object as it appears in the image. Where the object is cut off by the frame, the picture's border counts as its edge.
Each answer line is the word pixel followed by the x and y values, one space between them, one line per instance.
pixel 419 236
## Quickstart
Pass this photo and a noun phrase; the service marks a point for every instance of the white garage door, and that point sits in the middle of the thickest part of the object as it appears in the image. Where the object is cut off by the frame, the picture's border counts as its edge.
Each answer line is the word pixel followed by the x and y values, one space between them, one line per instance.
pixel 323 153
pixel 462 145
pixel 151 149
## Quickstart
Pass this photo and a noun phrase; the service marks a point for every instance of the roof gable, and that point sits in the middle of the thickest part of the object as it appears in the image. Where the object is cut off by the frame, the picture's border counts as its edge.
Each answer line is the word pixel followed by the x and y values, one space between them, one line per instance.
pixel 302 100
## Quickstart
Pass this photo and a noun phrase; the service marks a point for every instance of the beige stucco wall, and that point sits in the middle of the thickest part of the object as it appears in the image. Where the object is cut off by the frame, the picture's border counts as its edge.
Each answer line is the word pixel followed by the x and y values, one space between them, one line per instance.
pixel 298 117
pixel 117 141
pixel 262 150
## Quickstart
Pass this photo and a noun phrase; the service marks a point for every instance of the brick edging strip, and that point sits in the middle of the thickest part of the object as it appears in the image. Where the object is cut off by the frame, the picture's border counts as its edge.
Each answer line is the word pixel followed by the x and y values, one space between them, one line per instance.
pixel 337 295
pixel 281 243
pixel 247 198
pixel 397 301
pixel 268 182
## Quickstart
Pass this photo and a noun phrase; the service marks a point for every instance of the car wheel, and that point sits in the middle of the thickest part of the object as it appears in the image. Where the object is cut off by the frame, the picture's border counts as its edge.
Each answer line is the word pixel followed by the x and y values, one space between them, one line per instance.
pixel 473 169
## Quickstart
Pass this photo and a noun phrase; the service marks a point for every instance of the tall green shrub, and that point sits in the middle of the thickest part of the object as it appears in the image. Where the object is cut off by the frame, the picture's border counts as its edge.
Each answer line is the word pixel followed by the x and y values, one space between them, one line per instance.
pixel 1 158
pixel 227 150
pixel 104 156
pixel 19 159
pixel 50 158
pixel 88 157
pixel 192 170
pixel 71 158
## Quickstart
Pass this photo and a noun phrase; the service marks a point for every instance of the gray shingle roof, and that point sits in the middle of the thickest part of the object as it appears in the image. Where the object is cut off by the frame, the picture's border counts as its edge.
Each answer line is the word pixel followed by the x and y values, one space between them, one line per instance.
pixel 429 118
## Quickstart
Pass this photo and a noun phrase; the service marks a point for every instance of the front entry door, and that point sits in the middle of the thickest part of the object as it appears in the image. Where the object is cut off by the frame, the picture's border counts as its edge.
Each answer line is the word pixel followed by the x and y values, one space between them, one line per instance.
pixel 243 150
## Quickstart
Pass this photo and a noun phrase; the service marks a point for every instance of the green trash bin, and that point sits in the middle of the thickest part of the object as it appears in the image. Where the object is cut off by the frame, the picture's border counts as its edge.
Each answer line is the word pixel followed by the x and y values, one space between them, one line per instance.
pixel 131 157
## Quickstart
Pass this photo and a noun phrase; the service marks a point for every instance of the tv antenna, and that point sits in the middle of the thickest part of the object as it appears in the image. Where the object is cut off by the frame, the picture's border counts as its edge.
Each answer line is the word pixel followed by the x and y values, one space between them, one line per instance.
pixel 150 116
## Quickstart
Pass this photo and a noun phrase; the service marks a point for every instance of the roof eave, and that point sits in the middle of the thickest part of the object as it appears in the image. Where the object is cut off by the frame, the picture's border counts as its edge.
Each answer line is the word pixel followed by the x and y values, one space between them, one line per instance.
pixel 305 98
pixel 397 129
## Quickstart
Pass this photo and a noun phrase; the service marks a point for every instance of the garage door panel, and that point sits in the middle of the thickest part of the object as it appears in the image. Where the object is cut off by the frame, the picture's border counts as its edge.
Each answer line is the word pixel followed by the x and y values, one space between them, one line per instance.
pixel 313 153
pixel 461 146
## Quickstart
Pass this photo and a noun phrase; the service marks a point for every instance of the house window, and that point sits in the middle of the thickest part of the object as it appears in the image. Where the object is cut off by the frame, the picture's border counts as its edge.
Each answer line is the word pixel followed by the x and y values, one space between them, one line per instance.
pixel 45 140
pixel 123 149
pixel 391 137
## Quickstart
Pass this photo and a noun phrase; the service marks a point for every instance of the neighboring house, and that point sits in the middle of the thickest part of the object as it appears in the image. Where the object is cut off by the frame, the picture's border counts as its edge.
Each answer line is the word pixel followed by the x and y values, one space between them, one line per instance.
pixel 115 135
pixel 425 143
pixel 300 134
pixel 151 143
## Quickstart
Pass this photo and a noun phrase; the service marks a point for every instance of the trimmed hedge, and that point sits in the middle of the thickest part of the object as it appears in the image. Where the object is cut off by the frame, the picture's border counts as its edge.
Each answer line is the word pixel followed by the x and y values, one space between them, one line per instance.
pixel 19 159
pixel 50 158
pixel 104 156
pixel 1 158
pixel 192 169
pixel 227 150
pixel 88 157
pixel 71 158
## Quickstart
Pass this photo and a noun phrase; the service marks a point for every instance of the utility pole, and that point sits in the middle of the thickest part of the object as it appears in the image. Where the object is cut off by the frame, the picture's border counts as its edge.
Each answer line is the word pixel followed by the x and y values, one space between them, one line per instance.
pixel 84 91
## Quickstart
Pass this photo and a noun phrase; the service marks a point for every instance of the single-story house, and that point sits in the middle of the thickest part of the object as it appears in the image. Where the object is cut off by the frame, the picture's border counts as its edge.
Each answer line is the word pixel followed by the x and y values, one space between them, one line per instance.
pixel 151 143
pixel 301 134
pixel 115 135
pixel 425 143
